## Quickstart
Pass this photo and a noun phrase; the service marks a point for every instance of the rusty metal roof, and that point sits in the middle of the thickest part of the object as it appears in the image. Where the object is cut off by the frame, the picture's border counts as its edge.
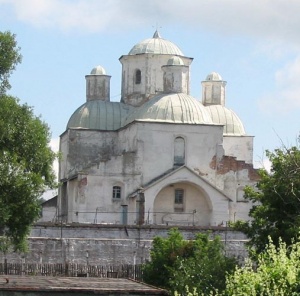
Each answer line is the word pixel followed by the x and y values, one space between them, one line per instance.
pixel 78 285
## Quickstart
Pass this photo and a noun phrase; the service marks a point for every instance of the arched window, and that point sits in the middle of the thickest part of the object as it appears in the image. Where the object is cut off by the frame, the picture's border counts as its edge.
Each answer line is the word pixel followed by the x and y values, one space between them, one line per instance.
pixel 116 194
pixel 179 151
pixel 138 76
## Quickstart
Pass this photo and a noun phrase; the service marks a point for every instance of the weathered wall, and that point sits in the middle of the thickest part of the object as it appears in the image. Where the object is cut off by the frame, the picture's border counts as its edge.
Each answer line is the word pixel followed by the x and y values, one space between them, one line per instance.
pixel 201 142
pixel 107 244
pixel 239 147
pixel 151 80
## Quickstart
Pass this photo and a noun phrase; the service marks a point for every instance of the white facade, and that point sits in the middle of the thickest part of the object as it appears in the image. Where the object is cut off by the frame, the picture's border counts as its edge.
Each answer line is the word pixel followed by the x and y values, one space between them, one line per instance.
pixel 159 156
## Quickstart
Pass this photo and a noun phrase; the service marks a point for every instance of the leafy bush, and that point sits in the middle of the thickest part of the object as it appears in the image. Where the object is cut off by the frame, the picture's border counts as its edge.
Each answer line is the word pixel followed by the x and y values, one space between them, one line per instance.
pixel 180 265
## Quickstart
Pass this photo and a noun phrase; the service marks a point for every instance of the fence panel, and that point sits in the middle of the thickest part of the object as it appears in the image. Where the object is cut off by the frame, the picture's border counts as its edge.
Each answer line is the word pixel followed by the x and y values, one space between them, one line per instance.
pixel 72 270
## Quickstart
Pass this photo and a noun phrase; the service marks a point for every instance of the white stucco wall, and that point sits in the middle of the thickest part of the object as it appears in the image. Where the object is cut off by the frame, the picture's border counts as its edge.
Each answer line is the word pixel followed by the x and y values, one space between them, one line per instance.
pixel 240 147
pixel 157 141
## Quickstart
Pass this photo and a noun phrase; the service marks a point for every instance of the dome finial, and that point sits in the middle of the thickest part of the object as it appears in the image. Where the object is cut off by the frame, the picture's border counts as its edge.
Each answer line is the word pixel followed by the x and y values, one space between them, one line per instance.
pixel 156 34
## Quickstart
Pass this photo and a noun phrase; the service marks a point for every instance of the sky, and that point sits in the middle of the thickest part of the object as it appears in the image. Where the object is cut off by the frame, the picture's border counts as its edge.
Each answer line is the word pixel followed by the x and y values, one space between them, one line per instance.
pixel 253 45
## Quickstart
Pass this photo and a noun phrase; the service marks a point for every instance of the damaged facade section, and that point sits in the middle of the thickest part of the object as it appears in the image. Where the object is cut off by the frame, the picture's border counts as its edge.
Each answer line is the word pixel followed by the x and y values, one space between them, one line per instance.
pixel 159 156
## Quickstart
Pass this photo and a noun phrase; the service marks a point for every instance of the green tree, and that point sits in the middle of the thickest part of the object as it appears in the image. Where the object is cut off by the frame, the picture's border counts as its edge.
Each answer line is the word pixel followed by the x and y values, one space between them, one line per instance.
pixel 25 157
pixel 276 199
pixel 9 57
pixel 277 272
pixel 25 169
pixel 177 264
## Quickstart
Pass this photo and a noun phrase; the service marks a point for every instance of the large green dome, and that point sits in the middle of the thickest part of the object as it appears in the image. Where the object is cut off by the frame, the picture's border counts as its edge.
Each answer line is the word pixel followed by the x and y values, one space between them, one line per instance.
pixel 171 108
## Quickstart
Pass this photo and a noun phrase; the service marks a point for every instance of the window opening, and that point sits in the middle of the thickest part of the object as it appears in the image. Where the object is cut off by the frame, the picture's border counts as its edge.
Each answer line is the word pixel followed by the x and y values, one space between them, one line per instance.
pixel 179 196
pixel 116 192
pixel 179 151
pixel 178 201
pixel 138 76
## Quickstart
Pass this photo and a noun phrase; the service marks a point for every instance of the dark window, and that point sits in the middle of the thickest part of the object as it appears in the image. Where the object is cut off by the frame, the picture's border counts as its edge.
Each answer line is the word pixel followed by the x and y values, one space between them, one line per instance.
pixel 178 201
pixel 117 192
pixel 179 151
pixel 138 76
pixel 179 193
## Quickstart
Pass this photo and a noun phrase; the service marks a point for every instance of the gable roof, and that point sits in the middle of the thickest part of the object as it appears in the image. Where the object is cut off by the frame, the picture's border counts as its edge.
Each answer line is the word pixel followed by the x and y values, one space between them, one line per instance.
pixel 204 183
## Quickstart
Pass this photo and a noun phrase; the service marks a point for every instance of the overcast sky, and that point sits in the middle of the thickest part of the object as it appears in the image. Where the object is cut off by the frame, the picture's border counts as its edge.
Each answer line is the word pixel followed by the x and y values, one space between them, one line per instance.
pixel 254 45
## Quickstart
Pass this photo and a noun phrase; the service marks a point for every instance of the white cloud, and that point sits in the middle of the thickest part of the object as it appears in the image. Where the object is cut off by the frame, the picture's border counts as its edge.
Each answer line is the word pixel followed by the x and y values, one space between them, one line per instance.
pixel 54 144
pixel 286 95
pixel 271 19
pixel 37 12
pixel 67 15
pixel 264 163
pixel 290 73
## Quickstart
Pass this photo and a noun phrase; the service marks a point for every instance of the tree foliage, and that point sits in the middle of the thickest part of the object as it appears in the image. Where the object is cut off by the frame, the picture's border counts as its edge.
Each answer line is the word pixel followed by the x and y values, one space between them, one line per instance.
pixel 9 57
pixel 277 272
pixel 276 199
pixel 25 168
pixel 177 264
pixel 25 157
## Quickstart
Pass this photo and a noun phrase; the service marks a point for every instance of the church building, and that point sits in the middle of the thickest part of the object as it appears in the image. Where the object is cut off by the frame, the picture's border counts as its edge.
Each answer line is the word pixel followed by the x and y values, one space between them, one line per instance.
pixel 159 156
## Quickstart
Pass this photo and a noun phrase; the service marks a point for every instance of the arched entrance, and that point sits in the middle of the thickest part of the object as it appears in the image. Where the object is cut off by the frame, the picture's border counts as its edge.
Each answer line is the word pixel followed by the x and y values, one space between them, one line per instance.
pixel 182 203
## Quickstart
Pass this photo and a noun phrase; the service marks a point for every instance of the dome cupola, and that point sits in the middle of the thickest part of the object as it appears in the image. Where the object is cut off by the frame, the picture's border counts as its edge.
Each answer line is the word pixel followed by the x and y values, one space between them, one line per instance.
pixel 98 85
pixel 98 70
pixel 155 45
pixel 176 76
pixel 214 76
pixel 213 90
pixel 143 75
pixel 213 98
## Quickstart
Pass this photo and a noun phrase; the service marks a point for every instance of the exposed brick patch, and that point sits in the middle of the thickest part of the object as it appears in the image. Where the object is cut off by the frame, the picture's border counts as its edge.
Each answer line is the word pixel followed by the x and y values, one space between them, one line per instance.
pixel 82 182
pixel 229 163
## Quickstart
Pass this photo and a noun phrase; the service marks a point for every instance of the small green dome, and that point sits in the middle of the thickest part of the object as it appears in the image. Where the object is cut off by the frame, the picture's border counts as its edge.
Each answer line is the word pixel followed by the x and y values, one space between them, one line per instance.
pixel 232 123
pixel 98 70
pixel 175 61
pixel 99 115
pixel 214 76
